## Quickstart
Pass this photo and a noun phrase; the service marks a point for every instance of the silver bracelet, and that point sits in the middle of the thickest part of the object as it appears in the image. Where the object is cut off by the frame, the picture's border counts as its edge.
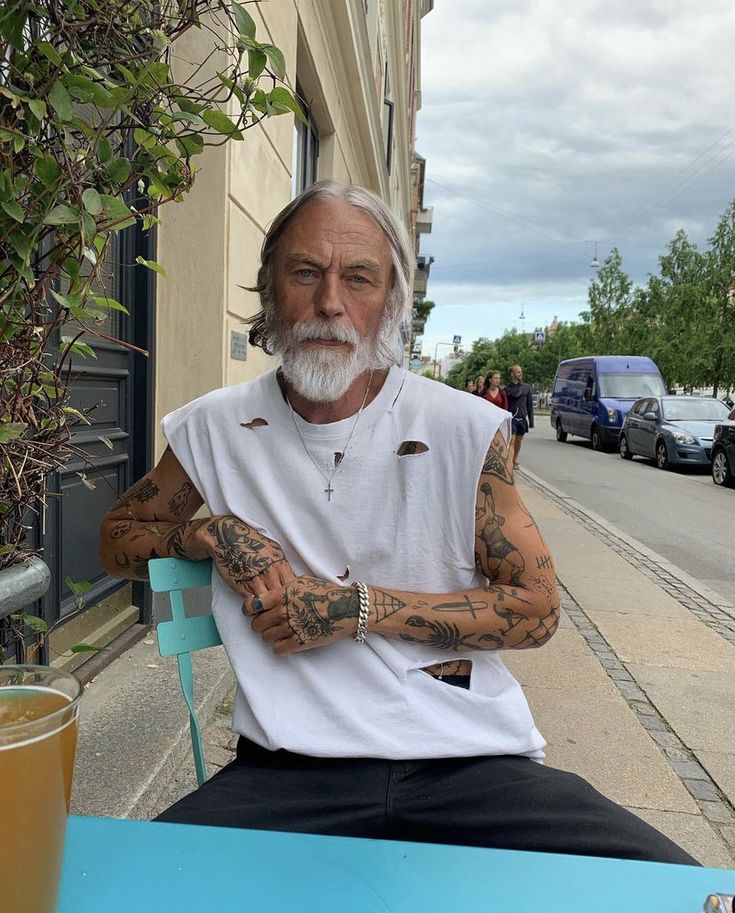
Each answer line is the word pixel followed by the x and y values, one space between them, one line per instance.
pixel 363 617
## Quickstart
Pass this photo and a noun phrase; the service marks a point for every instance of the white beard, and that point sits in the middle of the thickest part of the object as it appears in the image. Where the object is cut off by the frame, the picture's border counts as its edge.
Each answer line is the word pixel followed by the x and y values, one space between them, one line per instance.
pixel 319 374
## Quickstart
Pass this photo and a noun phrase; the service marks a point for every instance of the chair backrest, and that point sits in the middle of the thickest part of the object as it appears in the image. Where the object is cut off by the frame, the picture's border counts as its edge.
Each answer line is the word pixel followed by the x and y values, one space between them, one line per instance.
pixel 181 635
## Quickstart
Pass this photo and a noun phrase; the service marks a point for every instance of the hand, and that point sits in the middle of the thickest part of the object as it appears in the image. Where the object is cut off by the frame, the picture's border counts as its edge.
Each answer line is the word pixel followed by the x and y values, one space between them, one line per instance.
pixel 305 613
pixel 249 562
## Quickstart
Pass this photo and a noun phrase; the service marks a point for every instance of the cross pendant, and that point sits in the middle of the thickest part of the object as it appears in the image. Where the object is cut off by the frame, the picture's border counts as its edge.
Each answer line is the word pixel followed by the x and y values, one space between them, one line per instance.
pixel 328 490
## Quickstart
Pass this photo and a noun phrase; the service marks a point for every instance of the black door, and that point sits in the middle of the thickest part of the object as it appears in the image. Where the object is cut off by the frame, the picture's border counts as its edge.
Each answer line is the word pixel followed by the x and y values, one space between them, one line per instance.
pixel 115 391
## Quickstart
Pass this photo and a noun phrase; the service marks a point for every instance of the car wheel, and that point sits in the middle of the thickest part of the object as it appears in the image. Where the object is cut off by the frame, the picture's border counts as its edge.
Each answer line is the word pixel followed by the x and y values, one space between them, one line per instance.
pixel 596 439
pixel 625 453
pixel 662 455
pixel 721 474
pixel 561 434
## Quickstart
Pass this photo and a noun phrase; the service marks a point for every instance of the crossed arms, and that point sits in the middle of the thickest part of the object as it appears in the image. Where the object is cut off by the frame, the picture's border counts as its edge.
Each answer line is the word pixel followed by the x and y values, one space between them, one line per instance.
pixel 518 606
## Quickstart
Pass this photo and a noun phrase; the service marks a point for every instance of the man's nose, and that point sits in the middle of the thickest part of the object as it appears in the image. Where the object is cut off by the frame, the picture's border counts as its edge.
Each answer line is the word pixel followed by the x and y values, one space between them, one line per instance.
pixel 328 300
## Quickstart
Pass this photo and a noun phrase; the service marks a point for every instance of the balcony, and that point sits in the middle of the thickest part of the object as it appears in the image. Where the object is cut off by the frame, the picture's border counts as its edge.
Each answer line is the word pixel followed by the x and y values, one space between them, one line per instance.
pixel 421 276
pixel 424 220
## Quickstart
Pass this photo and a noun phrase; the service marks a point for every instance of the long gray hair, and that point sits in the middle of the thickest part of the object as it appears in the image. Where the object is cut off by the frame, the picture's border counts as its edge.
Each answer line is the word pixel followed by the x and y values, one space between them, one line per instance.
pixel 399 298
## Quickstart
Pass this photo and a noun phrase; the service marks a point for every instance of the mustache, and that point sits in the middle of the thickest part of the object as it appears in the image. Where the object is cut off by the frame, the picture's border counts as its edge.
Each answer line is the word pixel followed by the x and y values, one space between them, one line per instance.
pixel 319 329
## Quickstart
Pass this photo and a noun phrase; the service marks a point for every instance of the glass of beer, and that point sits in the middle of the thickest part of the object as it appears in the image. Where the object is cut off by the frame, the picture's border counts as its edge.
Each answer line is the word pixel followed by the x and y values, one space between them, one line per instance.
pixel 39 709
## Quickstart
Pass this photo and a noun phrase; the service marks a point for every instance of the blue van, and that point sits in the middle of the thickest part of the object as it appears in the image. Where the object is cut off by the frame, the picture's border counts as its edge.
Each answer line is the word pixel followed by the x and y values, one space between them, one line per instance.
pixel 592 395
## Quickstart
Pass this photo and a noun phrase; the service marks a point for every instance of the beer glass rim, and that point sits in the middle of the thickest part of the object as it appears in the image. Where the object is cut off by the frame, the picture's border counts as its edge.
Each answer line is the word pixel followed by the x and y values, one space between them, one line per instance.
pixel 56 714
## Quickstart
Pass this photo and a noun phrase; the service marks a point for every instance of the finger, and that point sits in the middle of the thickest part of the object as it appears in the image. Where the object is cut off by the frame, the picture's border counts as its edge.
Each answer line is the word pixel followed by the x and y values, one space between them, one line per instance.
pixel 267 619
pixel 255 605
pixel 285 574
pixel 276 634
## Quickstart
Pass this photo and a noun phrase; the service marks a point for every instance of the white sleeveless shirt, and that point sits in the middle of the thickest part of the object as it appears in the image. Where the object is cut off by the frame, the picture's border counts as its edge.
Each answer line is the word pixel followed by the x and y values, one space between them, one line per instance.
pixel 398 522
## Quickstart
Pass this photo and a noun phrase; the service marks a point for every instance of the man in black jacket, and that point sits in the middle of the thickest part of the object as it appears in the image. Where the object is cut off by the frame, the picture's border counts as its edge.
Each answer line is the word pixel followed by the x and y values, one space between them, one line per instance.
pixel 520 406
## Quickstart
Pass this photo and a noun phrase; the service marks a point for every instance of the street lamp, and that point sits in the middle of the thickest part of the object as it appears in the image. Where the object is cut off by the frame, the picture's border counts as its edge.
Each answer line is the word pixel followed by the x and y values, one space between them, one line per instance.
pixel 436 347
pixel 595 264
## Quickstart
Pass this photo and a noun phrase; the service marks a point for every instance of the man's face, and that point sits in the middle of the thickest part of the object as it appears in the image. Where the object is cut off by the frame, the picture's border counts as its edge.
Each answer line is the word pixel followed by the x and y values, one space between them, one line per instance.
pixel 516 374
pixel 333 273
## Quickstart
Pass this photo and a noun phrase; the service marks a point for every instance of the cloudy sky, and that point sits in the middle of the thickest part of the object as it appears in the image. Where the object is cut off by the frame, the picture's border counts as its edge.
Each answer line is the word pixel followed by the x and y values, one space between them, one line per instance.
pixel 552 125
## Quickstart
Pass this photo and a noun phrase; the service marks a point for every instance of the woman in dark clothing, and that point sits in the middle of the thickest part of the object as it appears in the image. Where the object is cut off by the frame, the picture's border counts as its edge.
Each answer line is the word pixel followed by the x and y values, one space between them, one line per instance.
pixel 479 388
pixel 492 391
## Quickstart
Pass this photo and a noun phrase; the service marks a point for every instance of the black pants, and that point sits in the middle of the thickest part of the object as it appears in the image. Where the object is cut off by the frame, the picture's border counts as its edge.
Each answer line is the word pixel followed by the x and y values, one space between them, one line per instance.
pixel 502 802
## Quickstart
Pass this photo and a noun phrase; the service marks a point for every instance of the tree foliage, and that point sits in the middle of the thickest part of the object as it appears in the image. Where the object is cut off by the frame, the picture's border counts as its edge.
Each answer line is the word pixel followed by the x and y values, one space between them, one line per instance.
pixel 96 133
pixel 683 318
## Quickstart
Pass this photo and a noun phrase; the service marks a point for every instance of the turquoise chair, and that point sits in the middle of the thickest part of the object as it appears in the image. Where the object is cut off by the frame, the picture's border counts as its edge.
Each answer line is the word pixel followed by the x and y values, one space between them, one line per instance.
pixel 181 635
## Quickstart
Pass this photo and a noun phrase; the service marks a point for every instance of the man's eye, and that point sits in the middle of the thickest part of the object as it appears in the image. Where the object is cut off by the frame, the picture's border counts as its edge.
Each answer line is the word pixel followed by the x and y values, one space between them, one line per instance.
pixel 359 280
pixel 305 273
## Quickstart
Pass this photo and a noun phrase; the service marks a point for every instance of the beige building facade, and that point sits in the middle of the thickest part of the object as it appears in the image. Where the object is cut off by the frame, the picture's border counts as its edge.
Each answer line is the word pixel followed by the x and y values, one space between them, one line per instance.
pixel 356 65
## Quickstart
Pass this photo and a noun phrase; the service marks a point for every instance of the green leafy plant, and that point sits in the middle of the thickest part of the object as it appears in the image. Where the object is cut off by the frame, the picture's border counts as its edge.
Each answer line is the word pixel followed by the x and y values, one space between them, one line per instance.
pixel 96 134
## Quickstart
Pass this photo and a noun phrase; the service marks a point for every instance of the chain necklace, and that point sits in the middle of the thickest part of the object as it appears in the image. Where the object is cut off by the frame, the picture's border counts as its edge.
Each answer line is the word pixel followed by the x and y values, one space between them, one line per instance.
pixel 330 475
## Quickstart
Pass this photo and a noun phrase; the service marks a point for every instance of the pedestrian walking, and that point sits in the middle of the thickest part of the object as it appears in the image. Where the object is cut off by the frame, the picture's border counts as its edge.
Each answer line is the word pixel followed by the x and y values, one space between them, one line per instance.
pixel 493 392
pixel 520 406
pixel 478 388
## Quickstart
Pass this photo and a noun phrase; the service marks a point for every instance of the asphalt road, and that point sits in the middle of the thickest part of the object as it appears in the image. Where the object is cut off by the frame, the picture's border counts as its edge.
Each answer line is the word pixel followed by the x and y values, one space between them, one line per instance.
pixel 681 515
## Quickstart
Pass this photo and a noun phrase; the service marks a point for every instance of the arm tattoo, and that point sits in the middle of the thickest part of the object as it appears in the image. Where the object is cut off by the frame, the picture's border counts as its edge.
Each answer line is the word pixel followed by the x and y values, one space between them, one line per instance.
pixel 143 490
pixel 178 502
pixel 385 604
pixel 497 459
pixel 239 549
pixel 121 529
pixel 440 634
pixel 499 550
pixel 312 616
pixel 465 604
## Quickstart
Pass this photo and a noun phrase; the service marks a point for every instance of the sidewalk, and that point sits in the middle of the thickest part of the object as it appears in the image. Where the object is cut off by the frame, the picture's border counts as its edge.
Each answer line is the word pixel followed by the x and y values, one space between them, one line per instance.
pixel 635 692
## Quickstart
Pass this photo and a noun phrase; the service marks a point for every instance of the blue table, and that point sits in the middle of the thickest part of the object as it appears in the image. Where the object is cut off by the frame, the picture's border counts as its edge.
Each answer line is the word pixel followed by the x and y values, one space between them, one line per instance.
pixel 114 866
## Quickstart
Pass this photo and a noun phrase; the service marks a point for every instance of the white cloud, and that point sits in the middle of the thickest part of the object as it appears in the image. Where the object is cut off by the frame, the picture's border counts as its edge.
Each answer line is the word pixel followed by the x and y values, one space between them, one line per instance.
pixel 567 122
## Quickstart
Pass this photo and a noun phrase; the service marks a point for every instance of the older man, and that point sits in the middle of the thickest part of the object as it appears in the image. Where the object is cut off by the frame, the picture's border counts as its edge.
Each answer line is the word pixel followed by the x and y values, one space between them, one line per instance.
pixel 372 558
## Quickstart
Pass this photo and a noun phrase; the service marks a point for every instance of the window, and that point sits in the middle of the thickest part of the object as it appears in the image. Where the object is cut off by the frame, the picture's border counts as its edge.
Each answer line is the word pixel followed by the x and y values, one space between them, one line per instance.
pixel 305 149
pixel 388 114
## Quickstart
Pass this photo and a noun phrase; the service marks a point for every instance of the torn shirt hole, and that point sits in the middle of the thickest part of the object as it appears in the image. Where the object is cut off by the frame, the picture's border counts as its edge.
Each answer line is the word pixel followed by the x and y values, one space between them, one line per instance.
pixel 338 458
pixel 255 423
pixel 408 448
pixel 344 576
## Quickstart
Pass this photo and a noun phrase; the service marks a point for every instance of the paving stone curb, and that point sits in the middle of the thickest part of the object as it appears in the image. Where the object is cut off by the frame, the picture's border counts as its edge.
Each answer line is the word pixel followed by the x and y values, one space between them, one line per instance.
pixel 709 607
pixel 714 806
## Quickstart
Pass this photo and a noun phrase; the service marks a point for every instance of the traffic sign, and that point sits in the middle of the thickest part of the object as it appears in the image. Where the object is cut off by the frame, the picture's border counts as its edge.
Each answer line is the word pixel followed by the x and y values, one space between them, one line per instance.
pixel 457 341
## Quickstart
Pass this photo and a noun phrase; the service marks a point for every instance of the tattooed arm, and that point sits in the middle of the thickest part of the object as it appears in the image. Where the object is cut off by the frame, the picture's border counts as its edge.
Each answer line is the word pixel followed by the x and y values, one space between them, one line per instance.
pixel 518 606
pixel 153 520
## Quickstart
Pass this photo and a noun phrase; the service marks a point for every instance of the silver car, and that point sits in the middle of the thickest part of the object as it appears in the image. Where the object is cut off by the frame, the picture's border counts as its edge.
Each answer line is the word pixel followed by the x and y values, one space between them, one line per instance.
pixel 673 430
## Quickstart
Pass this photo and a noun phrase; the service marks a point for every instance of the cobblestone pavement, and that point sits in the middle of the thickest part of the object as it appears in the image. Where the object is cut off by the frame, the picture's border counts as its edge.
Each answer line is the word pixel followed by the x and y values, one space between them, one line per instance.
pixel 712 803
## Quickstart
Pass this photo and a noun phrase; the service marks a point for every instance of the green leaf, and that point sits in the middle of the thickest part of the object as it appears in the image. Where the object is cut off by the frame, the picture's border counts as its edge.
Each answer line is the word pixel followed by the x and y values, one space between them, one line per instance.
pixel 144 138
pixel 12 23
pixel 151 264
pixel 92 202
pixel 155 74
pixel 190 145
pixel 275 58
pixel 220 122
pixel 189 106
pixel 77 588
pixel 83 349
pixel 38 107
pixel 87 648
pixel 115 209
pixel 14 210
pixel 118 170
pixel 31 621
pixel 104 149
pixel 256 62
pixel 61 215
pixel 282 100
pixel 49 52
pixel 47 169
pixel 89 226
pixel 61 103
pixel 70 410
pixel 10 431
pixel 110 303
pixel 243 20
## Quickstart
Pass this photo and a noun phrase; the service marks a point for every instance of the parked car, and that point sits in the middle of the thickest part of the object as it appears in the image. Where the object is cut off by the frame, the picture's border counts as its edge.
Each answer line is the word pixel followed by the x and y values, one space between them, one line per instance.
pixel 723 452
pixel 672 429
pixel 592 395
